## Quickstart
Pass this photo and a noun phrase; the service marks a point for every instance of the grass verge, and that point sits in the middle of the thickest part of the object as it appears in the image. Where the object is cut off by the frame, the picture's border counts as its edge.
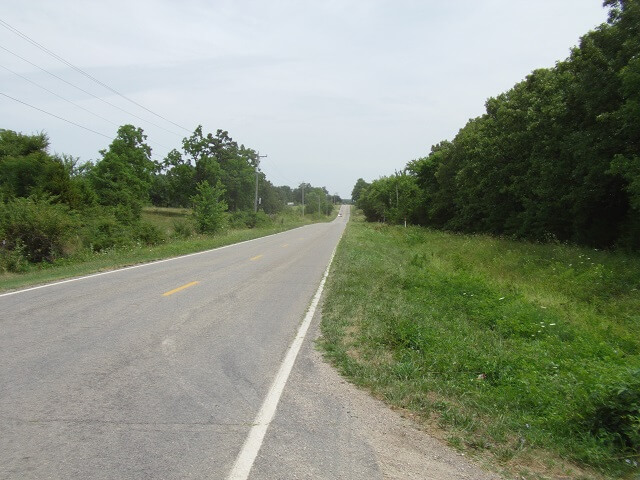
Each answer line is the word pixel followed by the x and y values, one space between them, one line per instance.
pixel 526 355
pixel 167 220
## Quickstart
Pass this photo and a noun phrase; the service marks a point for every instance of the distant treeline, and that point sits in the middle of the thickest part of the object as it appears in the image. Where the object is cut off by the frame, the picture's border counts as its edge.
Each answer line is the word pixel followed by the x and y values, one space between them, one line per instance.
pixel 51 206
pixel 557 157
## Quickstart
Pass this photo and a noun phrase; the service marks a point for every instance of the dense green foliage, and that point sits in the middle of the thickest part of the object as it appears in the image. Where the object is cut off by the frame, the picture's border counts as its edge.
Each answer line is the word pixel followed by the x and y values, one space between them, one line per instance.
pixel 209 208
pixel 35 228
pixel 555 157
pixel 123 177
pixel 27 169
pixel 518 350
pixel 360 185
pixel 52 206
pixel 391 199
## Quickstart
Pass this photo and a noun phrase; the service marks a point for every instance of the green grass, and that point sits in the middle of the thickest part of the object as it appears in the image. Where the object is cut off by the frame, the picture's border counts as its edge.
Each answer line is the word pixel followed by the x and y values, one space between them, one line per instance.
pixel 165 218
pixel 85 262
pixel 524 354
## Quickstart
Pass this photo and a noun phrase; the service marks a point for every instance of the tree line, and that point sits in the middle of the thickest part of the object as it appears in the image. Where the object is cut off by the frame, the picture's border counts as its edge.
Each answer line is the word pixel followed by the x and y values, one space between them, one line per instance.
pixel 52 206
pixel 557 157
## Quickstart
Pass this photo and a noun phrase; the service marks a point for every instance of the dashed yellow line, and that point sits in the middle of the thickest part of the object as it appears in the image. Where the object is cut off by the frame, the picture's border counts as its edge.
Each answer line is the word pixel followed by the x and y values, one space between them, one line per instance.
pixel 175 290
pixel 256 257
pixel 285 245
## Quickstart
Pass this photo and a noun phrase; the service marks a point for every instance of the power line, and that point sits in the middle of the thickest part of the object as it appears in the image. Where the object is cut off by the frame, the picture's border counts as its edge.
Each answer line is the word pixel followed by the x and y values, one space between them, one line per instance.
pixel 59 96
pixel 70 101
pixel 79 70
pixel 86 92
pixel 56 116
pixel 280 174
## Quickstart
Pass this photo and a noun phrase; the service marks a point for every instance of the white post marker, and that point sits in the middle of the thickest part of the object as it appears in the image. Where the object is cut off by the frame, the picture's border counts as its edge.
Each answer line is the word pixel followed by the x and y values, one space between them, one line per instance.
pixel 246 457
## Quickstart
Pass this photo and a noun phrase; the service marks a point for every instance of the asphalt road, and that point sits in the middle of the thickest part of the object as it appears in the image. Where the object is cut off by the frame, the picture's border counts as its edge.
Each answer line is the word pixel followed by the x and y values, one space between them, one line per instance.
pixel 158 371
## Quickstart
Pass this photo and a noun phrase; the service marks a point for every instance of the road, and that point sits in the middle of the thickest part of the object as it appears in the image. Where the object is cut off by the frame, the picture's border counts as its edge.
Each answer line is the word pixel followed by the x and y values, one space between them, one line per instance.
pixel 156 371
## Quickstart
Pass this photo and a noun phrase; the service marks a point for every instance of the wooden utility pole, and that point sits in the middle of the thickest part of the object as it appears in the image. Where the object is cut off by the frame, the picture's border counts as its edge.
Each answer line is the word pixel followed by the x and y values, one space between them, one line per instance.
pixel 255 202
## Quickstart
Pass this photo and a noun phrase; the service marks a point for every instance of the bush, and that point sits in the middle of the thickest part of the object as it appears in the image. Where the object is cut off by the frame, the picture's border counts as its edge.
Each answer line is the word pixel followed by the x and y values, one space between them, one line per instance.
pixel 209 208
pixel 36 227
pixel 13 260
pixel 617 416
pixel 244 219
pixel 182 229
pixel 260 219
pixel 239 219
pixel 148 233
pixel 103 231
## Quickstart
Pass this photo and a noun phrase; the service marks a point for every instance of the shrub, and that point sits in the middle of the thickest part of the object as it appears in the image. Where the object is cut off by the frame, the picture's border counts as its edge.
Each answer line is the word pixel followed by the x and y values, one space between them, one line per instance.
pixel 103 231
pixel 260 219
pixel 148 233
pixel 36 227
pixel 239 219
pixel 244 219
pixel 182 229
pixel 209 208
pixel 13 260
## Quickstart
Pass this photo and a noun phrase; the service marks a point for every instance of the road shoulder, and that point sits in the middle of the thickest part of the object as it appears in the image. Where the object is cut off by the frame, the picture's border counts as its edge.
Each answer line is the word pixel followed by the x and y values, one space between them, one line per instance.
pixel 327 428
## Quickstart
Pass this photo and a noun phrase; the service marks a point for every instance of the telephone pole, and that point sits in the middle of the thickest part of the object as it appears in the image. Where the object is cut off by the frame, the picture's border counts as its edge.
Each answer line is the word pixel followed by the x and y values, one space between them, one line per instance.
pixel 255 202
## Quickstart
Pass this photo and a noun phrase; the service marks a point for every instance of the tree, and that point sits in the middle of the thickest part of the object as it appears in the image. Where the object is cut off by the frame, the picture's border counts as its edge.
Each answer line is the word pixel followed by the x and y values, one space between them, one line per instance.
pixel 298 192
pixel 123 177
pixel 174 183
pixel 209 207
pixel 218 157
pixel 285 193
pixel 375 200
pixel 556 156
pixel 28 169
pixel 273 199
pixel 357 189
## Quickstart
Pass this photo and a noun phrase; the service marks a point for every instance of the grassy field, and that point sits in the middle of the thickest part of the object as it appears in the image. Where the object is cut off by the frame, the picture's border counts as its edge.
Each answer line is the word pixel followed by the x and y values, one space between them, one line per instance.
pixel 526 356
pixel 172 222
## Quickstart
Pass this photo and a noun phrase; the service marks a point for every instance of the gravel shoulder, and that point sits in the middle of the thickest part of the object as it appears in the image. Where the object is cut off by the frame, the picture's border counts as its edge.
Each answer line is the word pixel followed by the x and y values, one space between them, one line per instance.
pixel 326 428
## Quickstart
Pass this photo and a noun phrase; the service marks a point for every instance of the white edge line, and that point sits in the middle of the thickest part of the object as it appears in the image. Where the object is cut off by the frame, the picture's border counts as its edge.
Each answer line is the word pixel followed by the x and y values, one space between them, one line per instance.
pixel 146 264
pixel 246 457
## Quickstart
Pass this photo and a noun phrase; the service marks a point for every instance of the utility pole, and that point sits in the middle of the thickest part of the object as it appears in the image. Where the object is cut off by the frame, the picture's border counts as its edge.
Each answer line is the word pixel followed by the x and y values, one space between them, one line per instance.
pixel 255 202
pixel 303 199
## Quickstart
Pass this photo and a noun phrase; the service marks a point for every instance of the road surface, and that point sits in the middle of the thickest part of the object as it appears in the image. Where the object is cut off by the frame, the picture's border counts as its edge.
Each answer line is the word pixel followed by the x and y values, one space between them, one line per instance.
pixel 156 371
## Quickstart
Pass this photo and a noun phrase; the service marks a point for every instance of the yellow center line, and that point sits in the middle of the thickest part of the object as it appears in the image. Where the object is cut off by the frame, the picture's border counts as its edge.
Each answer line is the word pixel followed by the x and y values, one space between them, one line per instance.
pixel 171 292
pixel 256 257
pixel 285 245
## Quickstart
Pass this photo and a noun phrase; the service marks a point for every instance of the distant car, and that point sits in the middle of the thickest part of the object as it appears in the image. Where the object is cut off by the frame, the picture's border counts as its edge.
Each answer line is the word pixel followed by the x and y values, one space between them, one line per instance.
pixel 339 214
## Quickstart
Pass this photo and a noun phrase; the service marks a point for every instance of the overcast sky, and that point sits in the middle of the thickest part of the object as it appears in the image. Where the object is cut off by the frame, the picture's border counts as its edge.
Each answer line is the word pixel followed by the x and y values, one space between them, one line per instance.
pixel 330 90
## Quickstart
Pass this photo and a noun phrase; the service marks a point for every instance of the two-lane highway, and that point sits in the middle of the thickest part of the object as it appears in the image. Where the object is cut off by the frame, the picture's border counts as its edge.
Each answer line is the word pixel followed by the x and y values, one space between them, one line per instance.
pixel 155 371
